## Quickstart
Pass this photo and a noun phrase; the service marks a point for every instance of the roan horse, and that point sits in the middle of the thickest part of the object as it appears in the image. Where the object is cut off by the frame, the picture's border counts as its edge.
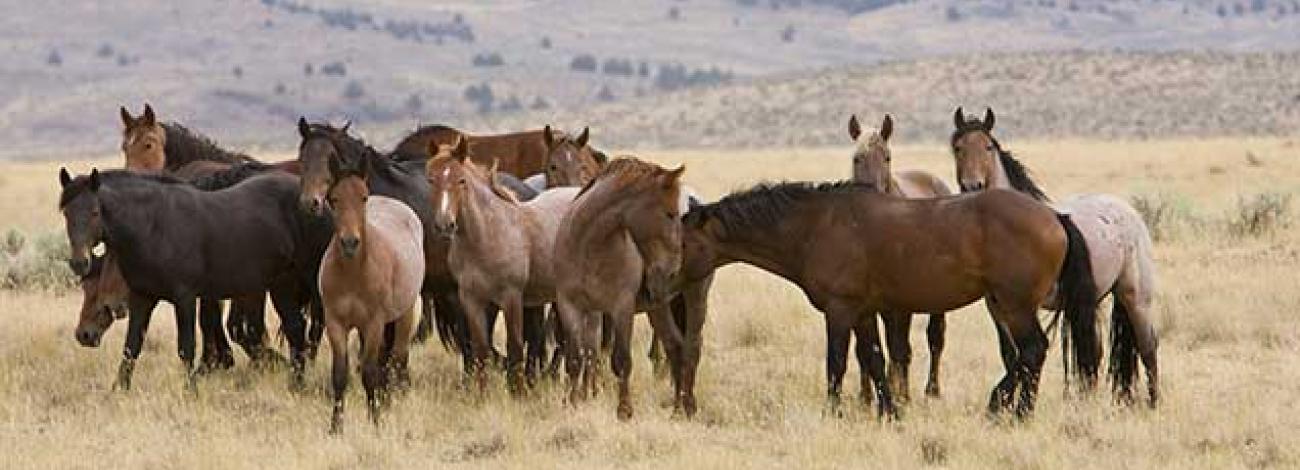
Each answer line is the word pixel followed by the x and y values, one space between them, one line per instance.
pixel 500 253
pixel 1120 245
pixel 857 252
pixel 871 167
pixel 175 242
pixel 370 279
pixel 616 252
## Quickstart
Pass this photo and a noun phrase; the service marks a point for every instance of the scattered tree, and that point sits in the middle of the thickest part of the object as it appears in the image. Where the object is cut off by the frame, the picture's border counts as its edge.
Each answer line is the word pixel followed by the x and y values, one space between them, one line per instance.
pixel 353 90
pixel 54 59
pixel 787 34
pixel 583 63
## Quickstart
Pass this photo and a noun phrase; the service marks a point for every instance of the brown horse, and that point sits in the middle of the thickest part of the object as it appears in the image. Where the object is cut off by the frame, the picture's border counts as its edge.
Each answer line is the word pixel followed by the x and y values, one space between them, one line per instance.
pixel 500 250
pixel 871 167
pixel 856 252
pixel 521 154
pixel 1119 243
pixel 370 278
pixel 104 297
pixel 569 161
pixel 616 252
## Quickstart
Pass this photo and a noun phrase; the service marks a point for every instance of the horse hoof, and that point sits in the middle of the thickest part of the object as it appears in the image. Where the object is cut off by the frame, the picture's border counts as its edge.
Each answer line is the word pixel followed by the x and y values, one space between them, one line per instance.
pixel 932 391
pixel 624 411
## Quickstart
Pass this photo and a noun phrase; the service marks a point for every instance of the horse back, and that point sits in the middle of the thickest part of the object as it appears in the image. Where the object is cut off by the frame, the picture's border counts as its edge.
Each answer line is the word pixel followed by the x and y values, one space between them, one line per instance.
pixel 521 154
pixel 920 184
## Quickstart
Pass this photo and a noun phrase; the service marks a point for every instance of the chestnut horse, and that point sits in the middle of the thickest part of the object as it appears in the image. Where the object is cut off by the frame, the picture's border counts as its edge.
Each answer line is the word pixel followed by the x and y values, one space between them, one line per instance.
pixel 871 167
pixel 1122 260
pixel 521 154
pixel 570 161
pixel 370 278
pixel 855 252
pixel 500 253
pixel 616 252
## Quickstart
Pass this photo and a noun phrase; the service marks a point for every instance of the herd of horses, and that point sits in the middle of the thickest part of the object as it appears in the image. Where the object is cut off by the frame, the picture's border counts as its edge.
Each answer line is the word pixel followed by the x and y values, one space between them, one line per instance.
pixel 476 227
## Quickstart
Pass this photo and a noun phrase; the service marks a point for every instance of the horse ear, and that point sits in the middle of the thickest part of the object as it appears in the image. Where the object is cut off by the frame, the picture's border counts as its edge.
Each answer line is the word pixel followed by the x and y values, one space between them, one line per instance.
pixel 855 129
pixel 547 138
pixel 461 151
pixel 64 178
pixel 346 125
pixel 887 127
pixel 148 119
pixel 671 176
pixel 958 118
pixel 94 179
pixel 582 138
pixel 127 120
pixel 988 119
pixel 304 129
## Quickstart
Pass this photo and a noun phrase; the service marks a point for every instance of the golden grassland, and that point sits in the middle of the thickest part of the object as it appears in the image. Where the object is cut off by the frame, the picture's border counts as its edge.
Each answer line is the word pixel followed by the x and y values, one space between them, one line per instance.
pixel 1225 312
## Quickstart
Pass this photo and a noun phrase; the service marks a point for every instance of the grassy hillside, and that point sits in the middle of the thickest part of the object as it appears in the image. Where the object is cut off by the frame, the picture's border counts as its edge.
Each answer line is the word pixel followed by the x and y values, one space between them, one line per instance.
pixel 244 69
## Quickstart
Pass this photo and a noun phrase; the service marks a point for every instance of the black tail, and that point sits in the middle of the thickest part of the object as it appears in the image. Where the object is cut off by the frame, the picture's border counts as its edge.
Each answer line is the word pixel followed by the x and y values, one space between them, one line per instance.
pixel 1076 295
pixel 231 176
pixel 1123 350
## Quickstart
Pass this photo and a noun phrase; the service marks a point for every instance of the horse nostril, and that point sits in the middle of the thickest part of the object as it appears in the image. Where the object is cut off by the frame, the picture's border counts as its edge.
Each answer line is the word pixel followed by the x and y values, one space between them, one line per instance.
pixel 79 266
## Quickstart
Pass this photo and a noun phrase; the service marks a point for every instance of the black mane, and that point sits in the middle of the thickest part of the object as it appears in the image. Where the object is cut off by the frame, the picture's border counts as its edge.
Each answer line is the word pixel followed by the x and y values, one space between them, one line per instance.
pixel 766 204
pixel 231 176
pixel 1017 174
pixel 355 151
pixel 184 146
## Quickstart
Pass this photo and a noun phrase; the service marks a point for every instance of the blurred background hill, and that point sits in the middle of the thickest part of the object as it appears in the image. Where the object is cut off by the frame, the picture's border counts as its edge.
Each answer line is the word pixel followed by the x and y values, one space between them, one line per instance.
pixel 651 73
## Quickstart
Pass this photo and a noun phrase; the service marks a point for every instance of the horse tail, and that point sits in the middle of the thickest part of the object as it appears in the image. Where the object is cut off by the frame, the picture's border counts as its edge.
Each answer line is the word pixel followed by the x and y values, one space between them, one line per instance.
pixel 1123 348
pixel 1076 296
pixel 447 319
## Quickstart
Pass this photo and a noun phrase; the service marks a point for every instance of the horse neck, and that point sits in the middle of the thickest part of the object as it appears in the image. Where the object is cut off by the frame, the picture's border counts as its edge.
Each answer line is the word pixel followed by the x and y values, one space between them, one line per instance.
pixel 484 212
pixel 766 247
pixel 593 221
pixel 1000 179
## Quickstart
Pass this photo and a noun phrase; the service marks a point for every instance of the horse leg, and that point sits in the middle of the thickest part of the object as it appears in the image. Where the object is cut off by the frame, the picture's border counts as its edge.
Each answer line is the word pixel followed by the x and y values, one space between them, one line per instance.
pixel 216 349
pixel 338 337
pixel 897 329
pixel 315 312
pixel 592 333
pixel 869 335
pixel 934 334
pixel 691 314
pixel 490 315
pixel 476 323
pixel 669 334
pixel 837 347
pixel 1032 346
pixel 425 329
pixel 621 360
pixel 568 333
pixel 514 313
pixel 372 367
pixel 863 350
pixel 401 350
pixel 185 319
pixel 286 299
pixel 1133 334
pixel 141 310
pixel 559 333
pixel 535 342
pixel 1000 398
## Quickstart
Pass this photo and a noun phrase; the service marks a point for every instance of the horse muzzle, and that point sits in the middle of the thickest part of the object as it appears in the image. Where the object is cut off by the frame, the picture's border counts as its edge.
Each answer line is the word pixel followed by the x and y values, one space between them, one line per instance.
pixel 80 265
pixel 349 245
pixel 89 336
pixel 972 186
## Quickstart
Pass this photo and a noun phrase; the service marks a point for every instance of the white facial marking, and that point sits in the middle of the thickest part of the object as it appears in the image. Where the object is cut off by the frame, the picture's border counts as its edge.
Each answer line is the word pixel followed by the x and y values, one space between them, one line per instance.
pixel 442 203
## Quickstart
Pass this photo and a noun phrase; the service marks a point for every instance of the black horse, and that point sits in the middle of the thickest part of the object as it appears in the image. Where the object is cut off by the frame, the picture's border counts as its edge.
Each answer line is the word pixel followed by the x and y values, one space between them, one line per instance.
pixel 176 242
pixel 402 179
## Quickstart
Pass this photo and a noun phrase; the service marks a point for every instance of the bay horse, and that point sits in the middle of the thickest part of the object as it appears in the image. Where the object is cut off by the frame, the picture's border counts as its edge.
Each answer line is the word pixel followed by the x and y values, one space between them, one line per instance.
pixel 855 252
pixel 104 296
pixel 521 154
pixel 616 252
pixel 176 242
pixel 370 278
pixel 871 167
pixel 499 252
pixel 1120 244
pixel 570 161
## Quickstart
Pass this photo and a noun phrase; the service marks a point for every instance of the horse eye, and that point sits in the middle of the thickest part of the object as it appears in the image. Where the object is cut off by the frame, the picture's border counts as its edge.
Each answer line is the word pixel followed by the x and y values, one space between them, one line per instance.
pixel 857 159
pixel 554 167
pixel 989 148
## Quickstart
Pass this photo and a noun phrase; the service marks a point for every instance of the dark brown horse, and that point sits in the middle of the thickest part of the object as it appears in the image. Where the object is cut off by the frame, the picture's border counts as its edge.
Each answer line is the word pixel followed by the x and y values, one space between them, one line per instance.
pixel 177 242
pixel 104 296
pixel 521 154
pixel 872 163
pixel 616 252
pixel 855 252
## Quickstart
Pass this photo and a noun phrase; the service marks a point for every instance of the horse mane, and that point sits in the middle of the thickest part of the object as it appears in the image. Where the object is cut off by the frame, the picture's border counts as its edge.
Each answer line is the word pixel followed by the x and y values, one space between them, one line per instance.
pixel 81 184
pixel 184 146
pixel 766 204
pixel 1017 173
pixel 626 171
pixel 231 176
pixel 356 151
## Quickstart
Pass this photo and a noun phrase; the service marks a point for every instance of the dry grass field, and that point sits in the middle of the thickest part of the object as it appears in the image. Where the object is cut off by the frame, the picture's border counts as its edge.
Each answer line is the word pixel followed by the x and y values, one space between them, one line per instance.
pixel 1226 314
